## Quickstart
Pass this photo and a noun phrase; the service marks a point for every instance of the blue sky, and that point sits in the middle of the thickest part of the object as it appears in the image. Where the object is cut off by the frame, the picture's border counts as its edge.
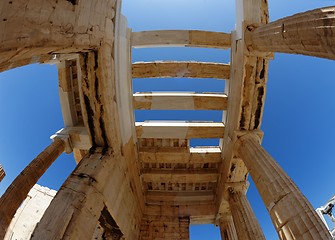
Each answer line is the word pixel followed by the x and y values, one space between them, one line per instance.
pixel 298 119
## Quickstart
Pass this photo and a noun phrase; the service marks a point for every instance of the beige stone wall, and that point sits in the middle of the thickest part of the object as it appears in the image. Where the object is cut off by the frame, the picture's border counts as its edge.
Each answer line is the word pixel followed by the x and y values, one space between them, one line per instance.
pixel 30 213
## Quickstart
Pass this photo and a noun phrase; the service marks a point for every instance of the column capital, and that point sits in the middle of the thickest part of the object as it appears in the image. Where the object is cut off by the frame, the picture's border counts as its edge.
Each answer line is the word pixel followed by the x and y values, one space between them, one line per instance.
pixel 238 187
pixel 258 133
pixel 248 47
pixel 222 216
pixel 60 135
pixel 224 208
pixel 235 187
pixel 240 136
pixel 74 137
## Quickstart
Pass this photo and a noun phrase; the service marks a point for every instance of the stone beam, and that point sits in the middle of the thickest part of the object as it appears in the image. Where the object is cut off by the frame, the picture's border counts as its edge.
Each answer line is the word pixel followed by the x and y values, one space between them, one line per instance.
pixel 309 33
pixel 246 92
pixel 106 91
pixel 198 213
pixel 96 68
pixel 175 69
pixel 179 129
pixel 17 192
pixel 22 61
pixel 291 213
pixel 180 38
pixel 180 176
pixel 68 89
pixel 48 27
pixel 179 197
pixel 179 155
pixel 180 101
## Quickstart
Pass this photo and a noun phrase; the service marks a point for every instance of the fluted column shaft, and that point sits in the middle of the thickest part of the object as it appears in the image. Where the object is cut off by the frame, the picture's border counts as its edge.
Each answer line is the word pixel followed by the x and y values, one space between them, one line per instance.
pixel 2 173
pixel 246 224
pixel 227 228
pixel 20 187
pixel 291 213
pixel 310 33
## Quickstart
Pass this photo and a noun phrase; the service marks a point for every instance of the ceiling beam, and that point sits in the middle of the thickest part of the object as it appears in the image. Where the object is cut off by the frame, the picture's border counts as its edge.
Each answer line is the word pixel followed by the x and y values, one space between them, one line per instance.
pixel 180 155
pixel 179 197
pixel 179 69
pixel 199 214
pixel 180 101
pixel 180 175
pixel 180 38
pixel 180 129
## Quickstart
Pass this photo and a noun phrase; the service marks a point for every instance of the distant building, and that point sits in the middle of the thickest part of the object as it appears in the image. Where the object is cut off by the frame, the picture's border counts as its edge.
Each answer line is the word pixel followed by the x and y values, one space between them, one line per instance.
pixel 30 213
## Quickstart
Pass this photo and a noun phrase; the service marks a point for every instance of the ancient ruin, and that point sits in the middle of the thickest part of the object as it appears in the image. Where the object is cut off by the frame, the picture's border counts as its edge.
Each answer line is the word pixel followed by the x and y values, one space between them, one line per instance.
pixel 142 180
pixel 30 212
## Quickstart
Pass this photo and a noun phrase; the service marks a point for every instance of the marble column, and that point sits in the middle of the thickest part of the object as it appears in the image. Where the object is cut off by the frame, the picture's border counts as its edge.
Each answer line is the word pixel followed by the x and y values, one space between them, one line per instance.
pixel 2 173
pixel 310 33
pixel 17 192
pixel 246 224
pixel 227 228
pixel 291 213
